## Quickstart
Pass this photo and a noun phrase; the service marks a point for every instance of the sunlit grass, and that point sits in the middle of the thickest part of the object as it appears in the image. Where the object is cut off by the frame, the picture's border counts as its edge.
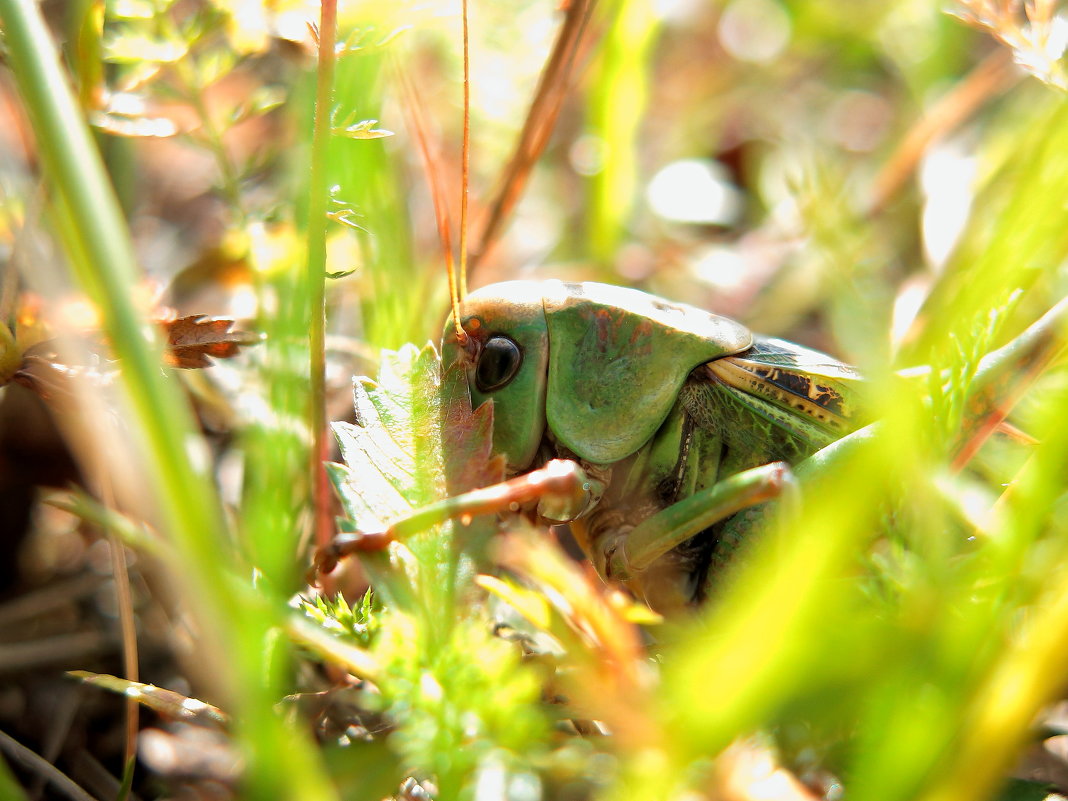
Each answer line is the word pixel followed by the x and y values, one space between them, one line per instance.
pixel 897 633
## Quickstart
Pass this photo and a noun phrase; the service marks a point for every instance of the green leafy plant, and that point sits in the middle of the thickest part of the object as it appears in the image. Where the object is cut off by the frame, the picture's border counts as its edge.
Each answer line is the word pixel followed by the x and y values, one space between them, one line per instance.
pixel 896 636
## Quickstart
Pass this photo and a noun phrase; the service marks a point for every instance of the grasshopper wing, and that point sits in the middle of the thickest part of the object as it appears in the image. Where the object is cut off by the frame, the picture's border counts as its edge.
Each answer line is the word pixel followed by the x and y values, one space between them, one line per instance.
pixel 776 400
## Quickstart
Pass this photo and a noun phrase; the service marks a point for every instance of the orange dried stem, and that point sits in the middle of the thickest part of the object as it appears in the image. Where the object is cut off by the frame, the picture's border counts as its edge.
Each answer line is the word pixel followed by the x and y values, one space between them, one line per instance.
pixel 553 87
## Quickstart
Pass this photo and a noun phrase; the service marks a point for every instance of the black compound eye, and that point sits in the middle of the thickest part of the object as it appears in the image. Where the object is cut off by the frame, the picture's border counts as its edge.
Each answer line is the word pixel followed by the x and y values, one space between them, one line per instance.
pixel 497 364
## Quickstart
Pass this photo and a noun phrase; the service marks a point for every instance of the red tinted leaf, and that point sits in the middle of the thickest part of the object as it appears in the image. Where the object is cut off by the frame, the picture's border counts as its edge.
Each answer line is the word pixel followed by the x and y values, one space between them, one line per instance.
pixel 467 437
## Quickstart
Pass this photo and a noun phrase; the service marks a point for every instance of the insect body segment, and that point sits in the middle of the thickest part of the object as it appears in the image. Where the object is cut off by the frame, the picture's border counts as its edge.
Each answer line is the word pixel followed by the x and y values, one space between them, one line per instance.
pixel 617 361
pixel 678 417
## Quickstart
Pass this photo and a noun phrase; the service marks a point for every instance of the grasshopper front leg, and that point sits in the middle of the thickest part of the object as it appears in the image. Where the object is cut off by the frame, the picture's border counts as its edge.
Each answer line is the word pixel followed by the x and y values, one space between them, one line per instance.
pixel 561 483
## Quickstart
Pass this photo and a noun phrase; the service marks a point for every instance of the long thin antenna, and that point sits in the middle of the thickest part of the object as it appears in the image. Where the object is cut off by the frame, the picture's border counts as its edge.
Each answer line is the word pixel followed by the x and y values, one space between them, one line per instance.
pixel 413 106
pixel 466 169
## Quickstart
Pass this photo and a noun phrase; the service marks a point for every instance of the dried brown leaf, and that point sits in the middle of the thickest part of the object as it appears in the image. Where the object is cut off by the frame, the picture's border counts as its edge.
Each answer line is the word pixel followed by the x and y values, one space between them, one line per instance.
pixel 191 340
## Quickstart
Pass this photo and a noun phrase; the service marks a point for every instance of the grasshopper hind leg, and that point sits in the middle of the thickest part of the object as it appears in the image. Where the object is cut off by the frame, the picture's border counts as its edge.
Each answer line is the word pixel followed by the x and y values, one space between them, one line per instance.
pixel 702 555
pixel 671 555
pixel 721 547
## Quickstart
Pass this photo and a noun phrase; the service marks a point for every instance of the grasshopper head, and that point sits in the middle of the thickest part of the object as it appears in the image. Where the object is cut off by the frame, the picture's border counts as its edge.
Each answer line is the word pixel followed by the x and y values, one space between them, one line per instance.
pixel 506 358
pixel 619 359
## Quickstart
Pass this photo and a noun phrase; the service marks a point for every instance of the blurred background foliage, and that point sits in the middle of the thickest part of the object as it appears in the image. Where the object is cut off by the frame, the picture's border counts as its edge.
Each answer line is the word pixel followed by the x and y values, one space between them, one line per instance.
pixel 886 182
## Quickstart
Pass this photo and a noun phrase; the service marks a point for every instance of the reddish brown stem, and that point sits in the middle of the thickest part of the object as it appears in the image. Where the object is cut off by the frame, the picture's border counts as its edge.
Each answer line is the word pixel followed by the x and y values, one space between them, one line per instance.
pixel 316 269
pixel 541 118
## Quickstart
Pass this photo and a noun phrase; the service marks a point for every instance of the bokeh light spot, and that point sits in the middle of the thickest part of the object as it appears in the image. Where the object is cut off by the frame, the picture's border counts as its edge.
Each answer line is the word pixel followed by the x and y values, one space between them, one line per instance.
pixel 695 191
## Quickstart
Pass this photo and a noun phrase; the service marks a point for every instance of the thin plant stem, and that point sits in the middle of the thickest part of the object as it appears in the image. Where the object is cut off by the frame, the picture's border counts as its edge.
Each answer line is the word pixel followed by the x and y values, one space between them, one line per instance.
pixel 124 597
pixel 315 274
pixel 212 139
pixel 29 760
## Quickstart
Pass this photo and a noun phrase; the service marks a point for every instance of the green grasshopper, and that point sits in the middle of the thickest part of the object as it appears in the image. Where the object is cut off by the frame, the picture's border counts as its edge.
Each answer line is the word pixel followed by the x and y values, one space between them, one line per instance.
pixel 654 428
pixel 680 420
